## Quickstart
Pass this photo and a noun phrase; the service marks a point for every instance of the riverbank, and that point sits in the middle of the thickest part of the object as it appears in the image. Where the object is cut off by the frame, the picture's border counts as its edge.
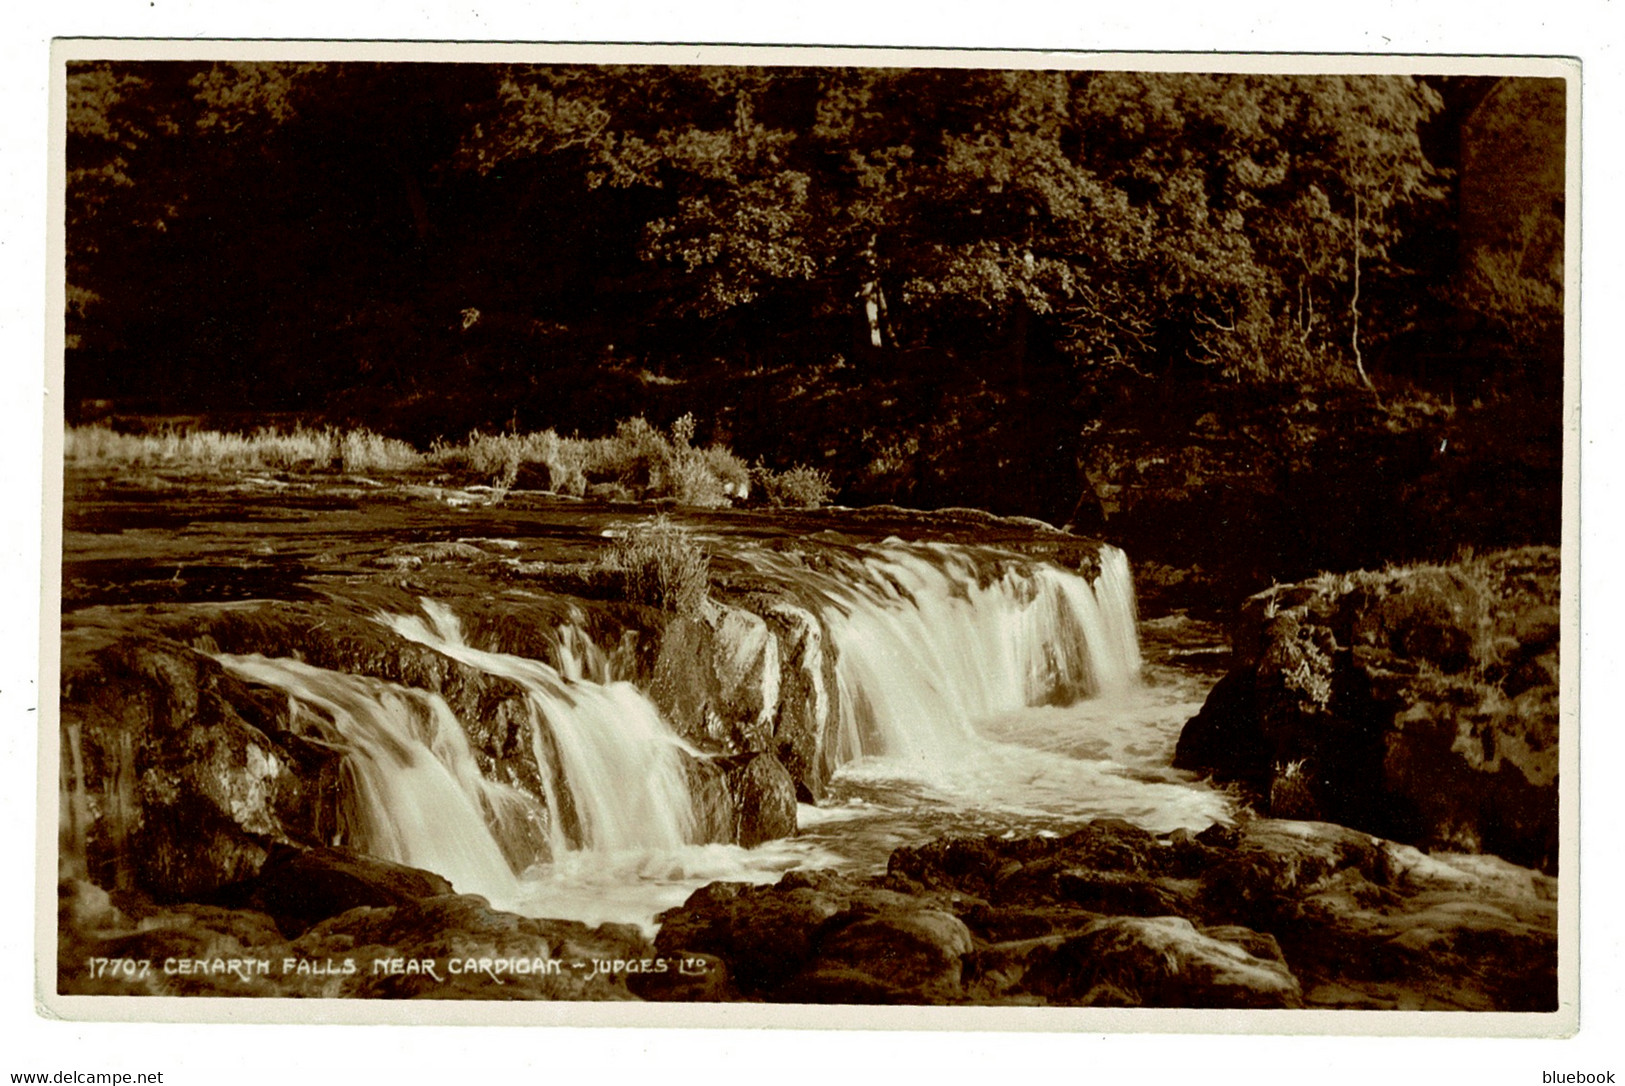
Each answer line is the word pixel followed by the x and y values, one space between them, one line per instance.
pixel 1266 914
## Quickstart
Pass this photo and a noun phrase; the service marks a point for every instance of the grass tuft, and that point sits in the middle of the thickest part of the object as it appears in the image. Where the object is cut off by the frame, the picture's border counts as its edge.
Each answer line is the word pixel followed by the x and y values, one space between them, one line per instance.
pixel 798 488
pixel 638 460
pixel 663 567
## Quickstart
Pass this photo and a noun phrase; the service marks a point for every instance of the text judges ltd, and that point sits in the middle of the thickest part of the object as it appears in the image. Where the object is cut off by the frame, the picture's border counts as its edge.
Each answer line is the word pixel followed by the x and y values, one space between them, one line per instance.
pixel 438 969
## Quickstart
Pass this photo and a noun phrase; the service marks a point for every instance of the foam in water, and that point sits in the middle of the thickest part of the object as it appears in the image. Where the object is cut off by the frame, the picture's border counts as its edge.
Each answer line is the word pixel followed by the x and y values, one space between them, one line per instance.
pixel 418 795
pixel 613 767
pixel 979 690
pixel 976 691
pixel 932 638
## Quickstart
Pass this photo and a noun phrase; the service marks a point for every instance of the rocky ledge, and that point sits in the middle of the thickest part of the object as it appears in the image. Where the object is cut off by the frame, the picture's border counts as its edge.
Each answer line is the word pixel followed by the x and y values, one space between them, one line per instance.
pixel 329 923
pixel 1419 703
pixel 1270 914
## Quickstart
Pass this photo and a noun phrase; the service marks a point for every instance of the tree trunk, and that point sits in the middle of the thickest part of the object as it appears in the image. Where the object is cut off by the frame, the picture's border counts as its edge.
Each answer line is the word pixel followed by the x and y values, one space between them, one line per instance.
pixel 873 298
pixel 1354 301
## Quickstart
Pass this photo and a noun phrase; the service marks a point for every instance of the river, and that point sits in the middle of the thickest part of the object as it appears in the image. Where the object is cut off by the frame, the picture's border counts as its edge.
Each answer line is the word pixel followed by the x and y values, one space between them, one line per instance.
pixel 979 692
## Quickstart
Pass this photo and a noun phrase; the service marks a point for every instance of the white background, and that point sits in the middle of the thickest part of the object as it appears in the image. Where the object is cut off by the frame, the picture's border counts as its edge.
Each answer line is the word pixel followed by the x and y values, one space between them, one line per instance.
pixel 329 1054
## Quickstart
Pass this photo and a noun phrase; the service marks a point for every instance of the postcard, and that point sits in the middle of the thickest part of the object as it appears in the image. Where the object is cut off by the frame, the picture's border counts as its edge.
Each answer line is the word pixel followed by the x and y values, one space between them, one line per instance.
pixel 842 538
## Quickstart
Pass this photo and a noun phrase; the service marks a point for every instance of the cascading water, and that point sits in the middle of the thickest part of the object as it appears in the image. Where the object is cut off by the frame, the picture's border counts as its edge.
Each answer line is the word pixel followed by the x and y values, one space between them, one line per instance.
pixel 614 767
pixel 975 691
pixel 927 646
pixel 996 684
pixel 416 794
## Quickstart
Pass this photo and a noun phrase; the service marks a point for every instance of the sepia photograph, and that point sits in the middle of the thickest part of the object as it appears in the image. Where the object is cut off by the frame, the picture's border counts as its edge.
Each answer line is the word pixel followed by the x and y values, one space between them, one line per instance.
pixel 1040 537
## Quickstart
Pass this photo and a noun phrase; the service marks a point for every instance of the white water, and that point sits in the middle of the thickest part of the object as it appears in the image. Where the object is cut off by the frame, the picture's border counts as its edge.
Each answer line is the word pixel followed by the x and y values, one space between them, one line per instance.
pixel 1010 700
pixel 618 765
pixel 925 651
pixel 976 693
pixel 629 853
pixel 417 795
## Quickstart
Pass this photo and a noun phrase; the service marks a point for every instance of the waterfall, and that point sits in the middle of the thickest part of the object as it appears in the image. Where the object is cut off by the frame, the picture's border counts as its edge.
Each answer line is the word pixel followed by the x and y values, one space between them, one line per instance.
pixel 613 767
pixel 932 638
pixel 987 679
pixel 416 795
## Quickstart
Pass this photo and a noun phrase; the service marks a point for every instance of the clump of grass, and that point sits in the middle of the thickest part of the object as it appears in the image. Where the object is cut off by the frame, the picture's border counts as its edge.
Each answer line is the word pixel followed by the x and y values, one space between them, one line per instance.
pixel 302 448
pixel 662 566
pixel 800 487
pixel 1292 791
pixel 363 451
pixel 638 459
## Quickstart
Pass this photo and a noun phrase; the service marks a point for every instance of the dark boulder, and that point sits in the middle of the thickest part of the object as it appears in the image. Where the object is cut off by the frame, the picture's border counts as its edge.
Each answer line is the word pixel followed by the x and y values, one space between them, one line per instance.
pixel 898 955
pixel 764 800
pixel 178 777
pixel 1418 703
pixel 300 887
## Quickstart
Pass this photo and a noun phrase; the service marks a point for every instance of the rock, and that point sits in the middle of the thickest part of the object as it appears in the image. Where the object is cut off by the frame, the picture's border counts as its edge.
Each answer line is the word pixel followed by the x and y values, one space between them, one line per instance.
pixel 1418 703
pixel 899 955
pixel 551 477
pixel 478 952
pixel 764 801
pixel 716 812
pixel 491 708
pixel 178 776
pixel 717 679
pixel 694 978
pixel 806 717
pixel 766 935
pixel 1224 737
pixel 441 947
pixel 83 906
pixel 300 887
pixel 1165 961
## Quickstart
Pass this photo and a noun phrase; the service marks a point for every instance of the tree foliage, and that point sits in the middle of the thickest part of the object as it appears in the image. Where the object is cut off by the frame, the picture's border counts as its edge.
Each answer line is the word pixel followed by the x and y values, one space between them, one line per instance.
pixel 362 227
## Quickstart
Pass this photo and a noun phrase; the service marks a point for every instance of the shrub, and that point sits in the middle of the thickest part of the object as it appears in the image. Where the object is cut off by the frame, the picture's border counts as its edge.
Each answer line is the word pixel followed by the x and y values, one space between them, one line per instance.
pixel 800 488
pixel 643 459
pixel 662 567
pixel 363 450
pixel 729 470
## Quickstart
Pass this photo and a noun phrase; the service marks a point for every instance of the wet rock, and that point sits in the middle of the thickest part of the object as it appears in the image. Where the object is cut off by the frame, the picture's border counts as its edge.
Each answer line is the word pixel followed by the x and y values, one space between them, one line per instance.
pixel 805 722
pixel 1268 913
pixel 340 639
pixel 766 935
pixel 300 887
pixel 717 679
pixel 764 801
pixel 178 777
pixel 417 555
pixel 1418 703
pixel 442 947
pixel 478 953
pixel 716 812
pixel 899 955
pixel 693 978
pixel 1165 961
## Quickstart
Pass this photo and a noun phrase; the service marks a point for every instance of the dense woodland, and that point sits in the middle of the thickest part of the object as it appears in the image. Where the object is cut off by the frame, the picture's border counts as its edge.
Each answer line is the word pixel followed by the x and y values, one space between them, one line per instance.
pixel 1300 321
